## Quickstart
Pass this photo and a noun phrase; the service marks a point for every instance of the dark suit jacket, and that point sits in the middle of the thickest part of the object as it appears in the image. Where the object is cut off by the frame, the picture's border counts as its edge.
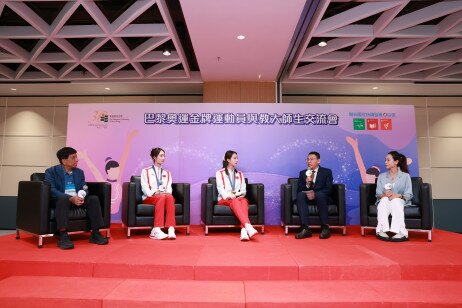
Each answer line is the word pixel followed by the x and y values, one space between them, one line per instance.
pixel 323 182
pixel 55 176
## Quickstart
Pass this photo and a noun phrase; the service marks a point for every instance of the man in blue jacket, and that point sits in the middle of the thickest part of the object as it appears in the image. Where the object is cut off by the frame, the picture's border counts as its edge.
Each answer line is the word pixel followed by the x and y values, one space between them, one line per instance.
pixel 314 187
pixel 66 180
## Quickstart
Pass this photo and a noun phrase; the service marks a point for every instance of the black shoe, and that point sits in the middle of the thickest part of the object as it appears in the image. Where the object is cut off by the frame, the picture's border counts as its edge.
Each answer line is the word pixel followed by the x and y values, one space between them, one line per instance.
pixel 325 233
pixel 64 242
pixel 97 238
pixel 305 233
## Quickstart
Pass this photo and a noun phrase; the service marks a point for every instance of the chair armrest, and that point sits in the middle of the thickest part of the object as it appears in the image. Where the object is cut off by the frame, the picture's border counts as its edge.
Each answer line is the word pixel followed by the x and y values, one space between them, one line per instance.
pixel 338 196
pixel 103 191
pixel 182 195
pixel 256 195
pixel 426 200
pixel 33 209
pixel 207 203
pixel 129 204
pixel 286 203
pixel 366 198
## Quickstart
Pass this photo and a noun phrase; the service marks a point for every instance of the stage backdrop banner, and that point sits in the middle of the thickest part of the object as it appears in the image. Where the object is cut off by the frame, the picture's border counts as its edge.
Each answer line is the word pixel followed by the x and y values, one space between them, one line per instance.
pixel 272 141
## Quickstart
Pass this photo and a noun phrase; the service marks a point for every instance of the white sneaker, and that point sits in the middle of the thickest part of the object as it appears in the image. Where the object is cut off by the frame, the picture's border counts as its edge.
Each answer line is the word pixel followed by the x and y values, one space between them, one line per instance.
pixel 158 234
pixel 244 235
pixel 171 233
pixel 399 237
pixel 250 230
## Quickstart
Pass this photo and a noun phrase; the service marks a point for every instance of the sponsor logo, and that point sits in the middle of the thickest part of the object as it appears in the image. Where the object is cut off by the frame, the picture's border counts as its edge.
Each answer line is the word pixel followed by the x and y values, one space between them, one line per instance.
pixel 359 124
pixel 386 124
pixel 372 124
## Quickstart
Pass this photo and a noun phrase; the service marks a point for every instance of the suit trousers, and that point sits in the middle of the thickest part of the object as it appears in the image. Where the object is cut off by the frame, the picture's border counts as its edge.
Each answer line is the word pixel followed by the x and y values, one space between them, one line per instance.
pixel 63 205
pixel 321 201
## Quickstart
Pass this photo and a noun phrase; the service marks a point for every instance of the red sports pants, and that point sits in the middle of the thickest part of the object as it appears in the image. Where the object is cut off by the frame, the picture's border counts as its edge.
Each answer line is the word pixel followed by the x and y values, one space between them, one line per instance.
pixel 240 208
pixel 164 203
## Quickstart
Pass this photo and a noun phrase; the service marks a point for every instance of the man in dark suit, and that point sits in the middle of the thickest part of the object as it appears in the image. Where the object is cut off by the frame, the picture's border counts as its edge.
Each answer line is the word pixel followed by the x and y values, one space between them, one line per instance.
pixel 314 187
pixel 66 180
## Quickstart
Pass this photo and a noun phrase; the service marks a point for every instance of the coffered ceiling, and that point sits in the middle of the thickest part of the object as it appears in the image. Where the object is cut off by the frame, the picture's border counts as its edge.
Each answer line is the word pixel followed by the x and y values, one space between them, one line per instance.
pixel 83 46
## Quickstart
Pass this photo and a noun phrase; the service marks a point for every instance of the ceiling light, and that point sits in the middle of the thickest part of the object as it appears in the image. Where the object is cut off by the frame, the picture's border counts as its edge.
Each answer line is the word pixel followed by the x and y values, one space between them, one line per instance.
pixel 322 44
pixel 241 37
pixel 375 88
pixel 13 89
pixel 107 89
pixel 167 52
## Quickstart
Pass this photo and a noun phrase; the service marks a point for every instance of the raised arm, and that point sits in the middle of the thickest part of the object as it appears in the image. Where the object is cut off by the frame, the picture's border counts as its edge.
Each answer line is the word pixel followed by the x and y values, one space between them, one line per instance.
pixel 358 157
pixel 126 151
pixel 84 155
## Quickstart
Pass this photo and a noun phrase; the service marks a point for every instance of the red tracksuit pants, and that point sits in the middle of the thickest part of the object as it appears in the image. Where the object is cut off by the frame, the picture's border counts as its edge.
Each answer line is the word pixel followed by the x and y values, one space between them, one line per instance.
pixel 164 204
pixel 240 208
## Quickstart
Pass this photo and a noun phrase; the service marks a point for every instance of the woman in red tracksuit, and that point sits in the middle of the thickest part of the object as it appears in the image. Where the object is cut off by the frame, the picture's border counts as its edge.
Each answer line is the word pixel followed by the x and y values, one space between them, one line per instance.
pixel 231 192
pixel 156 184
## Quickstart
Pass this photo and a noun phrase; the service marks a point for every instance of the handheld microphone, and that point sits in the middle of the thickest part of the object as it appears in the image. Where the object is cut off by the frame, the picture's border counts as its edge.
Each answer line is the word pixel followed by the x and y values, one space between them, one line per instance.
pixel 83 192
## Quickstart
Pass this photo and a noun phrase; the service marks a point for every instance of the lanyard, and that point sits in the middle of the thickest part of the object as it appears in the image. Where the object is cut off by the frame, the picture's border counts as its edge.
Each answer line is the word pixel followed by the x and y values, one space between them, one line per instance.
pixel 233 182
pixel 158 179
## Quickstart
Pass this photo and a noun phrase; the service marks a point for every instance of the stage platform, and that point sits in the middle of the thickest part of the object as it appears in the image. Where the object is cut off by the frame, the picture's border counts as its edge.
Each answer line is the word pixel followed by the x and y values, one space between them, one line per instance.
pixel 218 269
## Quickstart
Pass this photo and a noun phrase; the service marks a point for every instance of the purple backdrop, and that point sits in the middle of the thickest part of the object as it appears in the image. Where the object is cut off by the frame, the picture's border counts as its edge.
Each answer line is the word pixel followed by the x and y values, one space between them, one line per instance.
pixel 272 141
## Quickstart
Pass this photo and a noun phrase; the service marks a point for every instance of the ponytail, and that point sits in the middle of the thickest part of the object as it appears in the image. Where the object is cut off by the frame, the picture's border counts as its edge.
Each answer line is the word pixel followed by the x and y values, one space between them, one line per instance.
pixel 402 160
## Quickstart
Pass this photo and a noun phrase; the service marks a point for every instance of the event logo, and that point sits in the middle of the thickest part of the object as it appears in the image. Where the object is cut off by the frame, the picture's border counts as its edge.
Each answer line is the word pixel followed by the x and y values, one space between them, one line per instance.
pixel 101 119
pixel 372 124
pixel 358 124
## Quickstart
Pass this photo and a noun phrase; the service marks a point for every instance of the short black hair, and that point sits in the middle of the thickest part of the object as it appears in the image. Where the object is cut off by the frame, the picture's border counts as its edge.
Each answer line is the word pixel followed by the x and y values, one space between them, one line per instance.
pixel 110 164
pixel 64 153
pixel 318 156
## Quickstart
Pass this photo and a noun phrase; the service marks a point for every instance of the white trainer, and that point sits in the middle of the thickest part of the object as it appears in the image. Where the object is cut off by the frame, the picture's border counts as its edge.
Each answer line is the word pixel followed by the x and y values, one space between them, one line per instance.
pixel 171 233
pixel 158 234
pixel 250 230
pixel 399 237
pixel 244 235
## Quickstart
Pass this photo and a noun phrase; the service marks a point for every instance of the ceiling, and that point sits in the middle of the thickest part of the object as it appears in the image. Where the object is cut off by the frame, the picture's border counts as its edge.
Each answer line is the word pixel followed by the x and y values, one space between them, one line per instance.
pixel 85 47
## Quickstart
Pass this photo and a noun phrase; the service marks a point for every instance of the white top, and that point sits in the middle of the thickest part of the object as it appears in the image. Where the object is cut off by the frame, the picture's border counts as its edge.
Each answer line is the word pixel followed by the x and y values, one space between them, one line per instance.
pixel 224 185
pixel 149 184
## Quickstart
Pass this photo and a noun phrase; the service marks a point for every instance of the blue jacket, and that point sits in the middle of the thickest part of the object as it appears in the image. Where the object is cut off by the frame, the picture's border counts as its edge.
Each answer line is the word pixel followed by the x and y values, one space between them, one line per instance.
pixel 55 176
pixel 323 182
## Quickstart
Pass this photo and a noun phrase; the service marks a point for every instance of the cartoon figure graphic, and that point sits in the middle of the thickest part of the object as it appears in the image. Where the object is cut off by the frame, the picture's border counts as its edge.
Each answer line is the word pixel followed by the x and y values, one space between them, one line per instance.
pixel 113 170
pixel 367 175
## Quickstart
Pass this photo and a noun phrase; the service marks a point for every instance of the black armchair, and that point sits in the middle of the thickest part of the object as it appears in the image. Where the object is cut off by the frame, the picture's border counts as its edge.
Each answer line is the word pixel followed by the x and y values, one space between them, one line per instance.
pixel 37 217
pixel 136 215
pixel 289 211
pixel 418 217
pixel 217 216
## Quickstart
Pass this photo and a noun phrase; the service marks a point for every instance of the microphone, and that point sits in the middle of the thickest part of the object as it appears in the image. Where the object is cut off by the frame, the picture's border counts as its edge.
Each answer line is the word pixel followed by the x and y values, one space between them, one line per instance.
pixel 83 192
pixel 308 172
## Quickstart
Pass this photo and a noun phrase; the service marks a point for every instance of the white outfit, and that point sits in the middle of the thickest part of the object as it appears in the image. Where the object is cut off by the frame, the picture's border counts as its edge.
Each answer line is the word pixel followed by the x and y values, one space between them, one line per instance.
pixel 149 183
pixel 224 183
pixel 394 207
pixel 401 185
